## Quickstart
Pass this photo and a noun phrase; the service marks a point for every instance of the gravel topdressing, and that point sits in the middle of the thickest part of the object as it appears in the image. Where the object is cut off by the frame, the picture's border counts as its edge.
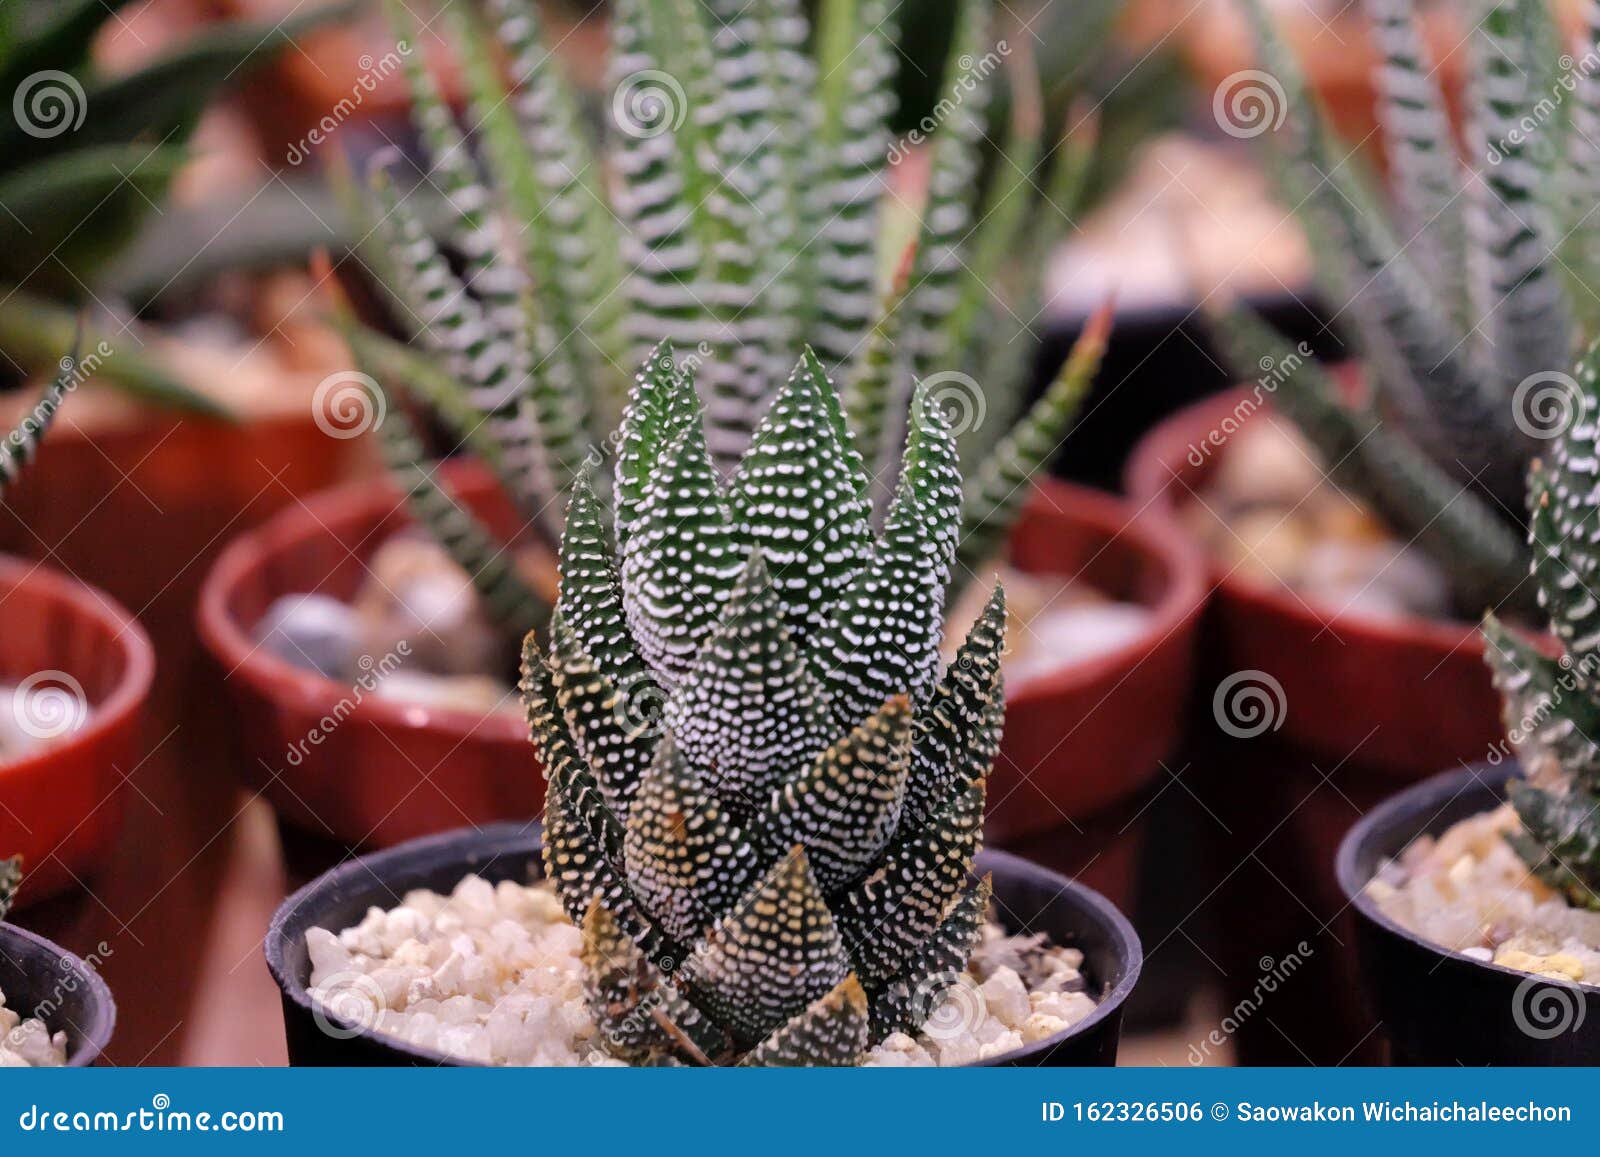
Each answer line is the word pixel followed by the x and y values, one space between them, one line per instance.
pixel 28 1044
pixel 491 974
pixel 1468 891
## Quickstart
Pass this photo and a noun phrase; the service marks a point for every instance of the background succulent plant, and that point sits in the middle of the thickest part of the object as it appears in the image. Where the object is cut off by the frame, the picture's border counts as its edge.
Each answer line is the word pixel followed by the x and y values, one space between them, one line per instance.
pixel 1552 705
pixel 778 874
pixel 738 209
pixel 84 159
pixel 10 881
pixel 1465 291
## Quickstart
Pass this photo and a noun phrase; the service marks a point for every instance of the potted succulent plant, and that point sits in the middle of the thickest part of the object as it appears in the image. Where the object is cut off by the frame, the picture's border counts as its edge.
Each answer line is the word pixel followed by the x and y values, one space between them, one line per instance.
pixel 777 871
pixel 75 671
pixel 523 353
pixel 54 1008
pixel 1360 521
pixel 1478 887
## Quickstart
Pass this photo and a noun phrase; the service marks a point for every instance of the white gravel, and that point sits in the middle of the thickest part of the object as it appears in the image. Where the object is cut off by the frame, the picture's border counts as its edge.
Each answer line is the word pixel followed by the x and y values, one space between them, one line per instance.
pixel 491 974
pixel 28 1044
pixel 1470 892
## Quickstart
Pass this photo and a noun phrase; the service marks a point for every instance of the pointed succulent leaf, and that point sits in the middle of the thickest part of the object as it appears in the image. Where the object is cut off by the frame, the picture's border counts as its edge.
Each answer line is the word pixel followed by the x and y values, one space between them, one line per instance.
pixel 996 493
pixel 591 592
pixel 1566 522
pixel 904 1002
pixel 883 639
pixel 687 859
pixel 958 733
pixel 771 956
pixel 844 807
pixel 680 558
pixel 1551 720
pixel 1581 180
pixel 661 404
pixel 1562 839
pixel 830 1033
pixel 885 917
pixel 796 499
pixel 749 708
pixel 612 726
pixel 639 1016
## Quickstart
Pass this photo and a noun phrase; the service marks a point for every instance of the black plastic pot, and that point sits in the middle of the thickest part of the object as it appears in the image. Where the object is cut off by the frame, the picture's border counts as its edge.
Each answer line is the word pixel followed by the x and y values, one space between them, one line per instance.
pixel 1438 1007
pixel 45 980
pixel 1028 898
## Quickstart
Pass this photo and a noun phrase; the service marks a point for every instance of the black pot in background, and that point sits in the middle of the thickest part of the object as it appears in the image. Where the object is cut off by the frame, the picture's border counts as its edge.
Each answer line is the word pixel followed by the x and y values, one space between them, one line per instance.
pixel 1070 914
pixel 38 976
pixel 1159 360
pixel 1439 1007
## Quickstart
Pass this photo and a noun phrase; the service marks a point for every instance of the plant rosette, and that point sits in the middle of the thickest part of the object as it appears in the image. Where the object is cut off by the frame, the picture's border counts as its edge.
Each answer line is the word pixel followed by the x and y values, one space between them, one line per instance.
pixel 343 1006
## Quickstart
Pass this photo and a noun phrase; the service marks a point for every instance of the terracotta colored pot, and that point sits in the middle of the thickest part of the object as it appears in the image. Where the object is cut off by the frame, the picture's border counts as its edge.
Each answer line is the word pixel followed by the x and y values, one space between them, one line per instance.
pixel 1090 734
pixel 1398 696
pixel 61 805
pixel 1077 740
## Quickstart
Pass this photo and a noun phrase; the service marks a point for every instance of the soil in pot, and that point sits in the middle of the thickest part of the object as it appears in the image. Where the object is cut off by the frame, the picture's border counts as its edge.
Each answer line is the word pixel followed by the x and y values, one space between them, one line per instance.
pixel 27 1042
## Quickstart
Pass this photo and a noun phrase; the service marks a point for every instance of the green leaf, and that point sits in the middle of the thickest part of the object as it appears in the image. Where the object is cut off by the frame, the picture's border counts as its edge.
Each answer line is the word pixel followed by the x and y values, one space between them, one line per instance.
pixel 904 1002
pixel 830 1033
pixel 10 882
pixel 1562 845
pixel 1551 717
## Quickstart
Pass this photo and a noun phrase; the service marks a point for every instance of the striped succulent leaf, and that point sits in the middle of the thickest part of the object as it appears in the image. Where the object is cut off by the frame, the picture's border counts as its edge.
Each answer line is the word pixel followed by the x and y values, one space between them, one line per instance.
pixel 10 882
pixel 776 869
pixel 741 217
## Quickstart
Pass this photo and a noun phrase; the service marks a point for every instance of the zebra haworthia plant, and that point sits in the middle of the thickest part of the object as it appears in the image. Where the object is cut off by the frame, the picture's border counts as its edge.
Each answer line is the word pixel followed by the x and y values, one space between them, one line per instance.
pixel 1552 705
pixel 10 882
pixel 733 208
pixel 779 873
pixel 1465 294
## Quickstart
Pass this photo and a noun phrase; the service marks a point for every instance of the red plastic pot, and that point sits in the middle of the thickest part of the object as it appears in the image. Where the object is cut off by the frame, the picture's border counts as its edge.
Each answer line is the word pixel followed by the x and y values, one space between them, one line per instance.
pixel 1399 697
pixel 61 805
pixel 1077 740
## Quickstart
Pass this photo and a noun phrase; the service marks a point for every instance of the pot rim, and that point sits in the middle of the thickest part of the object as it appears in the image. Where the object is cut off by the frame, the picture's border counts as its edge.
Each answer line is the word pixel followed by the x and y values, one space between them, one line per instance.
pixel 95 1036
pixel 1181 562
pixel 1180 602
pixel 1147 480
pixel 307 690
pixel 1422 799
pixel 138 668
pixel 513 838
